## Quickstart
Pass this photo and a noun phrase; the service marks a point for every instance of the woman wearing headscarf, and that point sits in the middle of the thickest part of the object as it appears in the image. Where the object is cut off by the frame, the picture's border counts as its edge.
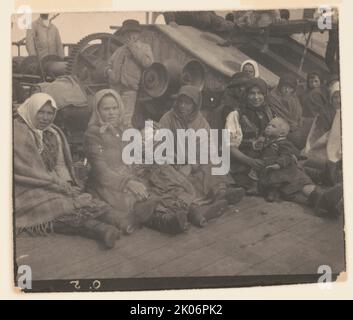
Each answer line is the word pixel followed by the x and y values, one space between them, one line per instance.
pixel 110 178
pixel 213 191
pixel 315 101
pixel 285 104
pixel 324 150
pixel 251 68
pixel 247 133
pixel 47 198
pixel 141 194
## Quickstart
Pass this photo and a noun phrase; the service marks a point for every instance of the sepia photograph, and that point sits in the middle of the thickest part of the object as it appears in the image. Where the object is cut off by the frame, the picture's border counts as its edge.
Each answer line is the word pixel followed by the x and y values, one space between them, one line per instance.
pixel 176 149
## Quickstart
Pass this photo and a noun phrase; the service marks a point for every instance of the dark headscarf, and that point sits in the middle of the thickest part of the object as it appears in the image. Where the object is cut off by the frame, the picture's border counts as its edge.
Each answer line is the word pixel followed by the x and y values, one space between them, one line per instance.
pixel 194 94
pixel 257 82
pixel 261 116
pixel 287 107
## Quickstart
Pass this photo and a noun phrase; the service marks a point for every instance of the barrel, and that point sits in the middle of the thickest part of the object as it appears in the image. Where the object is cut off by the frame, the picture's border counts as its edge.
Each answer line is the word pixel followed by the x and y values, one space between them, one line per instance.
pixel 193 73
pixel 162 78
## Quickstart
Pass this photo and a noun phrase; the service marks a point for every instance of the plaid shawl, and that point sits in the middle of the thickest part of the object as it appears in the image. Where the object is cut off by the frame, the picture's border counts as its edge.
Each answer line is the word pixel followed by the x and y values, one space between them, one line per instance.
pixel 38 198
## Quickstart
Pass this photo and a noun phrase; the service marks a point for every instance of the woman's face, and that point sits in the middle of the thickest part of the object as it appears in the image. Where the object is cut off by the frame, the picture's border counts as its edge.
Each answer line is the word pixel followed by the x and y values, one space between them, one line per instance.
pixel 286 90
pixel 109 110
pixel 255 97
pixel 314 82
pixel 336 100
pixel 44 117
pixel 185 105
pixel 249 69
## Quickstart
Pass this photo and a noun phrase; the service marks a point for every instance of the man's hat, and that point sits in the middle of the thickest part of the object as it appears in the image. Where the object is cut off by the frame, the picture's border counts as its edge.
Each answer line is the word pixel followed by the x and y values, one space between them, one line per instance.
pixel 130 25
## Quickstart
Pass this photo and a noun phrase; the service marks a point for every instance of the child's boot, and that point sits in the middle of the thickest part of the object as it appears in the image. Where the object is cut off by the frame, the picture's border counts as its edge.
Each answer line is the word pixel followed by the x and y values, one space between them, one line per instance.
pixel 169 222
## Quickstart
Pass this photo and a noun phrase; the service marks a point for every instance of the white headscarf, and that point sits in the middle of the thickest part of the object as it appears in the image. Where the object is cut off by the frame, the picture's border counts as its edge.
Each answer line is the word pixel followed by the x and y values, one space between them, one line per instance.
pixel 254 64
pixel 28 112
pixel 96 119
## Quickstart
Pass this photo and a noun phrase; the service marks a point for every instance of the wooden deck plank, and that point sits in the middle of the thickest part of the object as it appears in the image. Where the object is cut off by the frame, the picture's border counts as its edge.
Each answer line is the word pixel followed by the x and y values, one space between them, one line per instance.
pixel 250 236
pixel 201 238
pixel 155 241
pixel 255 237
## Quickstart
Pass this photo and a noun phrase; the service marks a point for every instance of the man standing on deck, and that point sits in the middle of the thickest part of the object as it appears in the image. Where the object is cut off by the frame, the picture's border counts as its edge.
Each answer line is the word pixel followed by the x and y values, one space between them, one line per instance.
pixel 125 66
pixel 44 38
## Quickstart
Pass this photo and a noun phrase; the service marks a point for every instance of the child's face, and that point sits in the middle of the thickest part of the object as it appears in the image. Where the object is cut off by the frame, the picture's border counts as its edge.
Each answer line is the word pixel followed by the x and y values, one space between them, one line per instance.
pixel 185 105
pixel 314 82
pixel 274 129
pixel 286 90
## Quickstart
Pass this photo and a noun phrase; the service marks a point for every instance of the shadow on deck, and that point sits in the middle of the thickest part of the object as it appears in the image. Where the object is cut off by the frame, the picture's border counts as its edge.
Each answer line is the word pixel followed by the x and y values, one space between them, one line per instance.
pixel 255 238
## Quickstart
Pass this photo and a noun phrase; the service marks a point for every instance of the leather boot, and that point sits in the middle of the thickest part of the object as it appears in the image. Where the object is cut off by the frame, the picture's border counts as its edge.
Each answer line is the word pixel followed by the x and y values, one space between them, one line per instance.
pixel 199 216
pixel 232 195
pixel 101 231
pixel 172 223
pixel 123 222
pixel 326 200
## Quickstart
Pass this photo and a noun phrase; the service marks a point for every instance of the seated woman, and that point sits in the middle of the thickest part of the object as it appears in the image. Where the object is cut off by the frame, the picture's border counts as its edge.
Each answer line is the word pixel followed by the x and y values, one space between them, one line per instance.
pixel 324 156
pixel 284 103
pixel 142 197
pixel 47 198
pixel 213 191
pixel 315 101
pixel 110 178
pixel 251 68
pixel 246 131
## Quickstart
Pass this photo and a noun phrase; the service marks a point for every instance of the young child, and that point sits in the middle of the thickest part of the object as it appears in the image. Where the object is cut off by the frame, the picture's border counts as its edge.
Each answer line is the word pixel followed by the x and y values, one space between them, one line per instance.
pixel 282 177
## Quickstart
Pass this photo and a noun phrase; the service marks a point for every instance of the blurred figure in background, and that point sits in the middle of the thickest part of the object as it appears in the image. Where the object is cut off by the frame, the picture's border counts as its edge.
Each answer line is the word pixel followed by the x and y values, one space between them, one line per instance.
pixel 44 38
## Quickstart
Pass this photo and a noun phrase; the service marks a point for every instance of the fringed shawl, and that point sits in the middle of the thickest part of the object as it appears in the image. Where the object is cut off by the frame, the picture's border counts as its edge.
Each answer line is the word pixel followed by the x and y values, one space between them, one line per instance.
pixel 39 199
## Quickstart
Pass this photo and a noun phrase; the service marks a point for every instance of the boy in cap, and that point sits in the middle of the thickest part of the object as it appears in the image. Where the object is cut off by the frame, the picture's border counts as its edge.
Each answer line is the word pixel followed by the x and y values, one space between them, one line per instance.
pixel 125 66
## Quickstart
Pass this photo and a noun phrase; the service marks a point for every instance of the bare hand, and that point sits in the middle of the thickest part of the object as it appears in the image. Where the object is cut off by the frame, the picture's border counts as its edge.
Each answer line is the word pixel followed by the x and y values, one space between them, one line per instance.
pixel 258 144
pixel 84 200
pixel 138 189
